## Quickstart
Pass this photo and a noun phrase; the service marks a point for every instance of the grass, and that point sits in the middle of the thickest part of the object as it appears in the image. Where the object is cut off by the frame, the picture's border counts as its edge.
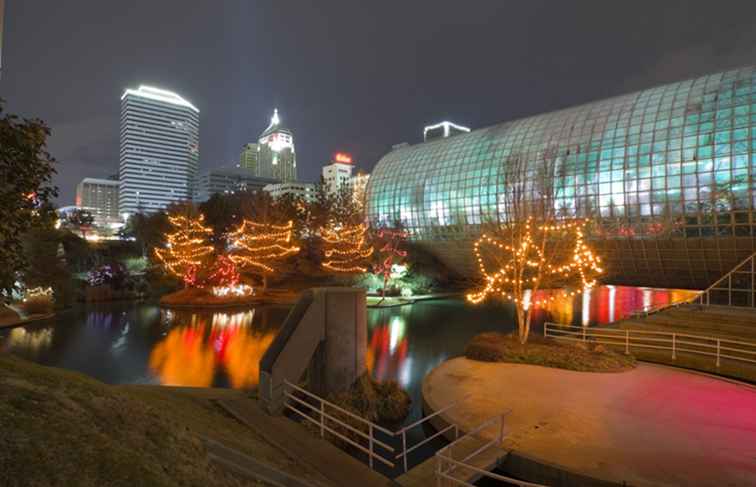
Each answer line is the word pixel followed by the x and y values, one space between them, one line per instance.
pixel 64 428
pixel 500 347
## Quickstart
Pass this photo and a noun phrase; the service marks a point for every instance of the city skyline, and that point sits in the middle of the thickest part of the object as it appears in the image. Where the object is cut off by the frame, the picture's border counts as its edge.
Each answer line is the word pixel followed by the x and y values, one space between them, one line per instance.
pixel 337 102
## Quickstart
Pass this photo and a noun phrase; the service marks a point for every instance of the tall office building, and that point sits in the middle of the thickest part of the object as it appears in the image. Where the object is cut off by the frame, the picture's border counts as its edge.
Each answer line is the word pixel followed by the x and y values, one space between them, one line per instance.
pixel 100 197
pixel 249 156
pixel 276 155
pixel 159 149
pixel 228 179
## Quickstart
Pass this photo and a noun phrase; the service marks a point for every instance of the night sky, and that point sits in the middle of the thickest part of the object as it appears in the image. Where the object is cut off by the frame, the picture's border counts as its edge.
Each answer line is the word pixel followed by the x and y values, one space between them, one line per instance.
pixel 347 75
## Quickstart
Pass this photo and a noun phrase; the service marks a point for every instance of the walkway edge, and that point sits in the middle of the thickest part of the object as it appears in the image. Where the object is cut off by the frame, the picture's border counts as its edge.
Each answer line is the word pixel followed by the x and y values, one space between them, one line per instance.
pixel 249 467
pixel 334 464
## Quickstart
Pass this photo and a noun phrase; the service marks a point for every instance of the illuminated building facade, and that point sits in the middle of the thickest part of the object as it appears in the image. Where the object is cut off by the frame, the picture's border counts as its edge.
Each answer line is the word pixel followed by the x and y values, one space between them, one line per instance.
pixel 100 197
pixel 276 157
pixel 227 180
pixel 667 173
pixel 305 191
pixel 249 156
pixel 338 172
pixel 159 149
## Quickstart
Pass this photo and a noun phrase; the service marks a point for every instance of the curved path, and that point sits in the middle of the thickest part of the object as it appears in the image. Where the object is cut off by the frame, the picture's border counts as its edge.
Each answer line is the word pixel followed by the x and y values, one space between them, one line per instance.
pixel 653 425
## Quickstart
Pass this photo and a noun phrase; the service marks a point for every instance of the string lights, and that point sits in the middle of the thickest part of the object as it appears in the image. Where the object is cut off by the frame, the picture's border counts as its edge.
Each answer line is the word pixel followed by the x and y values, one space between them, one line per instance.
pixel 393 239
pixel 529 263
pixel 346 248
pixel 186 248
pixel 256 246
pixel 225 279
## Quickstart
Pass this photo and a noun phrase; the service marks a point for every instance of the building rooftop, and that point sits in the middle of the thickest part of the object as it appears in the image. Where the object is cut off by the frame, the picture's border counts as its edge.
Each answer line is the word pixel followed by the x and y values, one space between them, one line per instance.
pixel 158 94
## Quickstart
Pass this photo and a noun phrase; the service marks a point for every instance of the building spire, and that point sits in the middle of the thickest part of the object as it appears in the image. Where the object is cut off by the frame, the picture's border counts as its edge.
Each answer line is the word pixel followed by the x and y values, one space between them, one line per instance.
pixel 275 120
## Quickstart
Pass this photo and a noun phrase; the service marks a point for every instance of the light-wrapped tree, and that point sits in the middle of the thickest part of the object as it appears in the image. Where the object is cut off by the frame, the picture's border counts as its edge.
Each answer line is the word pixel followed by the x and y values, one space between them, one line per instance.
pixel 258 247
pixel 533 247
pixel 392 239
pixel 346 248
pixel 187 247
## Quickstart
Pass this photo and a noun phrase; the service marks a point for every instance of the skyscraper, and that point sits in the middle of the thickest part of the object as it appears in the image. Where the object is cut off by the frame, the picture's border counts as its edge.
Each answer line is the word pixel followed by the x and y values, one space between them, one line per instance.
pixel 276 155
pixel 159 149
pixel 249 156
pixel 227 179
pixel 99 196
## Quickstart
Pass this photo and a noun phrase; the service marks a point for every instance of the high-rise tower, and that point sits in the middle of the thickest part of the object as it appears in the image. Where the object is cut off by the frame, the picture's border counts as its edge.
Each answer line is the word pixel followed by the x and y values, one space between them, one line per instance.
pixel 159 149
pixel 276 155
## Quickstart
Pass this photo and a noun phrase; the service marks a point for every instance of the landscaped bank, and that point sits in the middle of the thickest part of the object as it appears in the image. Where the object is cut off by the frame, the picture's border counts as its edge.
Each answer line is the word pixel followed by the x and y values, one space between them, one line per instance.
pixel 64 428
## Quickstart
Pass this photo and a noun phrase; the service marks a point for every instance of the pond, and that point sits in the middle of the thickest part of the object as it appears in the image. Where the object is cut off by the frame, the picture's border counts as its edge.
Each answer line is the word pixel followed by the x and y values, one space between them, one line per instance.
pixel 142 343
pixel 127 343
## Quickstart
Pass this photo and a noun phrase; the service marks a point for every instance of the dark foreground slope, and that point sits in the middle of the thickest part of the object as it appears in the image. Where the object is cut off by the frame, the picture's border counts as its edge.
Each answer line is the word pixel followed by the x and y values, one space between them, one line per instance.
pixel 62 428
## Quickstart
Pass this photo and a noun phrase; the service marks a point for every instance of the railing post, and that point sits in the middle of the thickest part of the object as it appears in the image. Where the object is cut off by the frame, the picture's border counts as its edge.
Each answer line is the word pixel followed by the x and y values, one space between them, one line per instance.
pixel 404 449
pixel 322 418
pixel 717 352
pixel 627 342
pixel 370 439
pixel 674 355
pixel 438 470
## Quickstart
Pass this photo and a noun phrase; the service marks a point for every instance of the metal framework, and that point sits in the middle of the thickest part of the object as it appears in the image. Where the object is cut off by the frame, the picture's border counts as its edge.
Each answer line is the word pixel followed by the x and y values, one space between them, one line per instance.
pixel 736 288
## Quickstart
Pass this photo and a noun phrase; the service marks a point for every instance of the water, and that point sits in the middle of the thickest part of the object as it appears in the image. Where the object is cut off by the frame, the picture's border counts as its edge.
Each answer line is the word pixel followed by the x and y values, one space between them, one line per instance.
pixel 126 343
pixel 140 343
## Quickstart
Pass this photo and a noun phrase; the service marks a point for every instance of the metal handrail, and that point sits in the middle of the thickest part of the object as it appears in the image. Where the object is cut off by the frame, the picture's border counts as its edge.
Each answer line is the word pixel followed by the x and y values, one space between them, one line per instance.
pixel 714 287
pixel 403 431
pixel 372 427
pixel 445 457
pixel 658 340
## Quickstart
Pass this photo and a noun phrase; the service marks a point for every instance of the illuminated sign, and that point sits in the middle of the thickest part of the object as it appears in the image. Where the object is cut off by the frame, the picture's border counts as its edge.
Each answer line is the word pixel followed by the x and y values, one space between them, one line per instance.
pixel 342 157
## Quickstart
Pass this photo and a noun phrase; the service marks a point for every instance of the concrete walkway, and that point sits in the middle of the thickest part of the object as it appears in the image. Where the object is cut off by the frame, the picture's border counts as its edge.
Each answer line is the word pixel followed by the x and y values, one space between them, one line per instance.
pixel 650 426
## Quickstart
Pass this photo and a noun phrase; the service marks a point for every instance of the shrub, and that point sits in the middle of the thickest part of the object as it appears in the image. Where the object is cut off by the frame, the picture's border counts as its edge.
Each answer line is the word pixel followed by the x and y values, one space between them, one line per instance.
pixel 113 275
pixel 135 265
pixel 38 303
pixel 500 347
pixel 380 402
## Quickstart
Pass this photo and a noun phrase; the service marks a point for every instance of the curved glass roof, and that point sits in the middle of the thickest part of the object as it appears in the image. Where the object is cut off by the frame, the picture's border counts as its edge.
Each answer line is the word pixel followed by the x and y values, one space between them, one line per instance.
pixel 661 151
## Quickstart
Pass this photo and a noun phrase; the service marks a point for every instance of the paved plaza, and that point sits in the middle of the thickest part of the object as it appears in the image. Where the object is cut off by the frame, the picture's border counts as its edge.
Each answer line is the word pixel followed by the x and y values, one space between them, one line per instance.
pixel 653 425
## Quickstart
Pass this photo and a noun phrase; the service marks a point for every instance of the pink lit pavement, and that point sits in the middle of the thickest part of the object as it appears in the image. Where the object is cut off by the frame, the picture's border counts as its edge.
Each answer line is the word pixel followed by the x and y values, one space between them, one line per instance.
pixel 653 425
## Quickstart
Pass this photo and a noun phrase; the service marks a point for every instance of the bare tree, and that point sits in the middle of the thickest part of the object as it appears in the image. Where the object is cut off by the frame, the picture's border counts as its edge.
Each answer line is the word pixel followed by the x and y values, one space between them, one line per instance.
pixel 536 245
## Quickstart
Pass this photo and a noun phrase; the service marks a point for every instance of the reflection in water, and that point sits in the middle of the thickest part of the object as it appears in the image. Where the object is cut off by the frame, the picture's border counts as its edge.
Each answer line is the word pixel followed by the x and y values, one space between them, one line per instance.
pixel 387 351
pixel 138 343
pixel 198 347
pixel 33 342
pixel 406 342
